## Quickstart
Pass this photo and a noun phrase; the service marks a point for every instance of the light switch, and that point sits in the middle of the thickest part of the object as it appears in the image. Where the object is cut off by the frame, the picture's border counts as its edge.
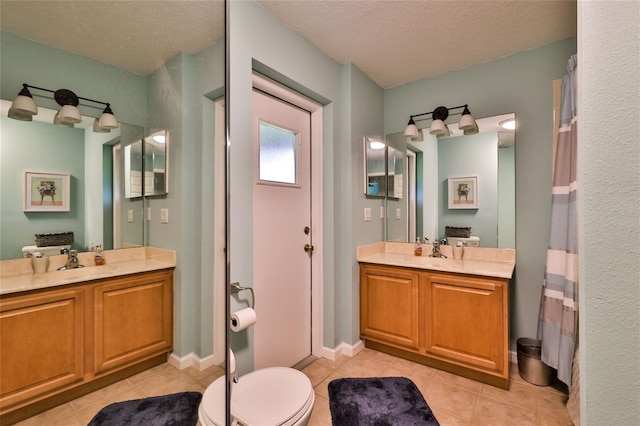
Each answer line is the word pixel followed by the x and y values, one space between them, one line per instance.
pixel 367 214
pixel 130 216
pixel 398 214
pixel 381 212
pixel 148 213
pixel 164 215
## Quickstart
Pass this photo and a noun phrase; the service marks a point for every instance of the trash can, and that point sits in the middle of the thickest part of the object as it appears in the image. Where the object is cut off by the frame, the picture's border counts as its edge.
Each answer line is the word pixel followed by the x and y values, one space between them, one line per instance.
pixel 530 366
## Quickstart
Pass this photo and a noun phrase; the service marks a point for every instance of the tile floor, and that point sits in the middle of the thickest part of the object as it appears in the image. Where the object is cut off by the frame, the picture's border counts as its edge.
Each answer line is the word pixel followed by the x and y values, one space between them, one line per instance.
pixel 453 399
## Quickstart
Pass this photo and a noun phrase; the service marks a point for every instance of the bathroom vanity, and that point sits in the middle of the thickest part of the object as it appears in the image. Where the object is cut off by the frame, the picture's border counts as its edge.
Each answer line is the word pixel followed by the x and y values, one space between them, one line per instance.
pixel 67 333
pixel 448 314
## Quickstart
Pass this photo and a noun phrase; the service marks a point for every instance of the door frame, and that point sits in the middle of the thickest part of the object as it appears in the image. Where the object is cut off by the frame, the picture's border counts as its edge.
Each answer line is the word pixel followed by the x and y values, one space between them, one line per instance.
pixel 278 90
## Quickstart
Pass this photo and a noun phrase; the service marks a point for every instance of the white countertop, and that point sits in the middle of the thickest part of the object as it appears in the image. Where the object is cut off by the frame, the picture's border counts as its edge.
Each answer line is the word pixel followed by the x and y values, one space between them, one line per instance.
pixel 17 275
pixel 484 261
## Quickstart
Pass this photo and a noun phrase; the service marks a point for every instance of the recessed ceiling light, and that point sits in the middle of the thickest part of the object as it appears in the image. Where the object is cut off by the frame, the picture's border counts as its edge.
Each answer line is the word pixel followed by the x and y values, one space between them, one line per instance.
pixel 509 124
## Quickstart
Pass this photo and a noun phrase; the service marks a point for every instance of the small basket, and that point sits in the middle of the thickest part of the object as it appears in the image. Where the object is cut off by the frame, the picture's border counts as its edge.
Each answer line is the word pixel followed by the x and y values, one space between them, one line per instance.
pixel 54 239
pixel 459 232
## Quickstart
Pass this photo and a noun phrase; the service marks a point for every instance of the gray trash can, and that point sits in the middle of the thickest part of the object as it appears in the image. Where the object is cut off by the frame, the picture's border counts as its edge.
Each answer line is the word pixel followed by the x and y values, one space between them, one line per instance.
pixel 530 366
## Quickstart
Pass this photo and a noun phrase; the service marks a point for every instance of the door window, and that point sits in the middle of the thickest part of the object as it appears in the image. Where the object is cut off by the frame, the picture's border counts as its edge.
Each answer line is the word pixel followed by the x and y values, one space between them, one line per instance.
pixel 278 154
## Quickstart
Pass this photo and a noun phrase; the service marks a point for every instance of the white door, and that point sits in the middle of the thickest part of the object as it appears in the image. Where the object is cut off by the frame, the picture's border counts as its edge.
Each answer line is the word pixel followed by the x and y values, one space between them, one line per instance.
pixel 282 232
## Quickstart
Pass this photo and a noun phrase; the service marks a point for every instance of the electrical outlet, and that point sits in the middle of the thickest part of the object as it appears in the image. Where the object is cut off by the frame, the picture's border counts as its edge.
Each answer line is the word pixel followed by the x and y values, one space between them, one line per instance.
pixel 398 214
pixel 148 213
pixel 130 216
pixel 164 215
pixel 367 214
pixel 381 212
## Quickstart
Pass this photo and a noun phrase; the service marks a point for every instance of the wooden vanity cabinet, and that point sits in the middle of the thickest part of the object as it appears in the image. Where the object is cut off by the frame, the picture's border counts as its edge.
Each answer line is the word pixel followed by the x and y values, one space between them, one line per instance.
pixel 462 320
pixel 59 343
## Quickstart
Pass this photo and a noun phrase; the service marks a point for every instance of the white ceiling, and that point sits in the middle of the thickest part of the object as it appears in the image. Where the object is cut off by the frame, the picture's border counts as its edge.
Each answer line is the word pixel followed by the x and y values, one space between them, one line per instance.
pixel 392 41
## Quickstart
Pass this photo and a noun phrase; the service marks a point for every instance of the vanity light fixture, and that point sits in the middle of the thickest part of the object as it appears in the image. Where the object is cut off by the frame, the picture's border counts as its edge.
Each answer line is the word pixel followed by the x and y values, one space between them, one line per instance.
pixel 24 108
pixel 438 127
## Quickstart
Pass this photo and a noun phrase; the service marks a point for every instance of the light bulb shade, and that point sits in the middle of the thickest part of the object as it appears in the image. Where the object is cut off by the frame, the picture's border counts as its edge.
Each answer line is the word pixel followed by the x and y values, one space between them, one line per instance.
pixel 24 105
pixel 437 128
pixel 107 119
pixel 69 114
pixel 58 122
pixel 473 130
pixel 466 121
pixel 19 116
pixel 411 131
pixel 98 129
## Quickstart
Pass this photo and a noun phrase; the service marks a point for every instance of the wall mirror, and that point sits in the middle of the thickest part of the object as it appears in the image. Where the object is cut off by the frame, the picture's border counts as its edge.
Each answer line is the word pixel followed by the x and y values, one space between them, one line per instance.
pixel 489 155
pixel 383 169
pixel 156 164
pixel 30 54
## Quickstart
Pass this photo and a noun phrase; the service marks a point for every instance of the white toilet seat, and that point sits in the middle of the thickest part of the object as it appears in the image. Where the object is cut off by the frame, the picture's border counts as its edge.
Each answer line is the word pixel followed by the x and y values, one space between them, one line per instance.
pixel 269 396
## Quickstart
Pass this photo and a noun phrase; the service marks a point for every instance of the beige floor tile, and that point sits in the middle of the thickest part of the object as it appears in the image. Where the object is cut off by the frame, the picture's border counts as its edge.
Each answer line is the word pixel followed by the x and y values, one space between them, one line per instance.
pixel 551 405
pixel 85 414
pixel 317 372
pixel 164 385
pixel 491 412
pixel 443 396
pixel 519 395
pixel 414 367
pixel 459 381
pixel 448 419
pixel 101 396
pixel 375 355
pixel 332 364
pixel 48 417
pixel 162 369
pixel 363 367
pixel 321 414
pixel 322 388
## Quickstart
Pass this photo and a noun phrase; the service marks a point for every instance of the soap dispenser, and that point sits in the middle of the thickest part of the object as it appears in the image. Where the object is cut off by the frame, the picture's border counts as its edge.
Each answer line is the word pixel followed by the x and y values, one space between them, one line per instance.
pixel 99 256
pixel 418 248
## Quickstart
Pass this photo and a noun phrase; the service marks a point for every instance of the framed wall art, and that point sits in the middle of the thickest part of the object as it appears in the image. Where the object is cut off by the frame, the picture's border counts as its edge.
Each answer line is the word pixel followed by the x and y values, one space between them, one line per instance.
pixel 463 192
pixel 46 192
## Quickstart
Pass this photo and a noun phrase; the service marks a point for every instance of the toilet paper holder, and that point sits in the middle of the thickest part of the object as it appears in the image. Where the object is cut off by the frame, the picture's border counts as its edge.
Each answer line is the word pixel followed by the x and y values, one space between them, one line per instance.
pixel 236 288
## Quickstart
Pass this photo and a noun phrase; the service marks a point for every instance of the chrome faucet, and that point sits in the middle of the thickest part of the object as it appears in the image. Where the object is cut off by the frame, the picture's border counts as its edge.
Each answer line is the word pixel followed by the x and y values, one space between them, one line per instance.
pixel 72 260
pixel 435 252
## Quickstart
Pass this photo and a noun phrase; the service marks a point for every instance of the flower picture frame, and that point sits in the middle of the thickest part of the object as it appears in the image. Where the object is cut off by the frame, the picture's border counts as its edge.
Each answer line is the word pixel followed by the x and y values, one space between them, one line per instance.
pixel 46 192
pixel 463 192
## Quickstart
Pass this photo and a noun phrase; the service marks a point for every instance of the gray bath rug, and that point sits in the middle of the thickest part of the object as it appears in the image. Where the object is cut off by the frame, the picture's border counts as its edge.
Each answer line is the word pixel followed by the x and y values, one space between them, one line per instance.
pixel 385 401
pixel 178 409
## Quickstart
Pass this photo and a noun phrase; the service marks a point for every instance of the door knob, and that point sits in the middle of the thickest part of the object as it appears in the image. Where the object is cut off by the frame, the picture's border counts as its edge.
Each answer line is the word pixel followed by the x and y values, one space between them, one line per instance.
pixel 308 248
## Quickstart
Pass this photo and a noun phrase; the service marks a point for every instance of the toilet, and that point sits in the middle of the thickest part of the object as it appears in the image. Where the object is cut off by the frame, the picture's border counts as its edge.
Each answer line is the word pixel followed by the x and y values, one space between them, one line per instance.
pixel 472 241
pixel 27 251
pixel 269 396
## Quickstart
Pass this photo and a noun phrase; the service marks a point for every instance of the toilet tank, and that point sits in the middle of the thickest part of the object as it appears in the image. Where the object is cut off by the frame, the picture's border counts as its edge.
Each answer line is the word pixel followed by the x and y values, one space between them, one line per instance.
pixel 27 251
pixel 472 241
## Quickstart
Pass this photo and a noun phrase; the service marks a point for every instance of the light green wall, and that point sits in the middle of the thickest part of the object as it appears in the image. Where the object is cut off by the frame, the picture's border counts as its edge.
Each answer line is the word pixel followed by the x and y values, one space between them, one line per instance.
pixel 38 147
pixel 522 84
pixel 609 211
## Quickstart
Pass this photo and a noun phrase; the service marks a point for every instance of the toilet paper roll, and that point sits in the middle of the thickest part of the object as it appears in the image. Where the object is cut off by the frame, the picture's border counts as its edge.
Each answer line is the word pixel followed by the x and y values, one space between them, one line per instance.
pixel 242 319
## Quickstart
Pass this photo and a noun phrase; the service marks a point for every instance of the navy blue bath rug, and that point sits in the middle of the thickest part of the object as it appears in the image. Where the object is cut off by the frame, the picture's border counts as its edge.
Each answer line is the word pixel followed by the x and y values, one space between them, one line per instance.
pixel 384 401
pixel 178 409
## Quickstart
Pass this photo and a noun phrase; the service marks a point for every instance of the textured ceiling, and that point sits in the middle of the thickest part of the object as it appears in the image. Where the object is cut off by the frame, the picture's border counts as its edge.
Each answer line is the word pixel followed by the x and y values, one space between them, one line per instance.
pixel 392 41
pixel 396 42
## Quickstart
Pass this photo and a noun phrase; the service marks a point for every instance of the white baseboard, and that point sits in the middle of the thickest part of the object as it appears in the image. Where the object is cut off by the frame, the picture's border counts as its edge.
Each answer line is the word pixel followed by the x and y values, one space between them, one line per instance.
pixel 192 360
pixel 342 349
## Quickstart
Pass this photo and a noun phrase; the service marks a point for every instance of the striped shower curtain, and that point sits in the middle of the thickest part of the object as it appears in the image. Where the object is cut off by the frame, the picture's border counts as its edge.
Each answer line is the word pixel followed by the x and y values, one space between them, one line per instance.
pixel 557 326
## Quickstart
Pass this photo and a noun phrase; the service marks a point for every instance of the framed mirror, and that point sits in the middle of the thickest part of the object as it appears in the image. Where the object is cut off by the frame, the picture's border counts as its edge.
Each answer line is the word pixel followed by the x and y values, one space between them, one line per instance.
pixel 375 179
pixel 156 164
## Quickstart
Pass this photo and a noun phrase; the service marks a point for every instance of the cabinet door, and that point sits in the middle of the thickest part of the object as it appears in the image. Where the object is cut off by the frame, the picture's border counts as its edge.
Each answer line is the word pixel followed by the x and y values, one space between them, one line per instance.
pixel 41 344
pixel 133 319
pixel 389 305
pixel 466 320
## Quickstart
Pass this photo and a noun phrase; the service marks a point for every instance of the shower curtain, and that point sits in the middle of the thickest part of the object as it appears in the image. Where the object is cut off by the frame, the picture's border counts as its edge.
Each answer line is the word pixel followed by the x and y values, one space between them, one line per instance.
pixel 557 326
